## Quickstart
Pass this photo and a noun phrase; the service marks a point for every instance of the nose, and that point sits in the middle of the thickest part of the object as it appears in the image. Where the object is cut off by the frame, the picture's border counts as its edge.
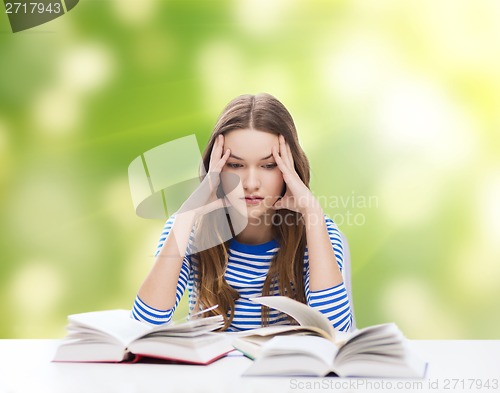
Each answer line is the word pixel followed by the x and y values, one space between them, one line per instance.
pixel 251 181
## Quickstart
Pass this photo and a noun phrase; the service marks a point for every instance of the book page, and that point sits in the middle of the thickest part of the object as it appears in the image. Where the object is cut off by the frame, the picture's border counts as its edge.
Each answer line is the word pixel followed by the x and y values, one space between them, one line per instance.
pixel 312 346
pixel 117 324
pixel 302 313
pixel 193 327
pixel 380 351
pixel 250 342
pixel 373 333
pixel 275 330
pixel 409 366
pixel 290 365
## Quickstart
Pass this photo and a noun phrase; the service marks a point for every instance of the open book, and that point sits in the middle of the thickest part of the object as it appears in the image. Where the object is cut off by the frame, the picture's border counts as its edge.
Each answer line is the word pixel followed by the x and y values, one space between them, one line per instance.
pixel 314 348
pixel 113 336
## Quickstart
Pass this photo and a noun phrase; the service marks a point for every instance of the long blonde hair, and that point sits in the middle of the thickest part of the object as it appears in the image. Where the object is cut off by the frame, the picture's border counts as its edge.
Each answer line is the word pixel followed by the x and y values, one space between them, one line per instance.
pixel 265 113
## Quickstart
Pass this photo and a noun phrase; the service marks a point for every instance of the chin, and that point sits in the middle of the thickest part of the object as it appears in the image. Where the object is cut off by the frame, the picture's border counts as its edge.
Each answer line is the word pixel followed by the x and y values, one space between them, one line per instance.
pixel 255 212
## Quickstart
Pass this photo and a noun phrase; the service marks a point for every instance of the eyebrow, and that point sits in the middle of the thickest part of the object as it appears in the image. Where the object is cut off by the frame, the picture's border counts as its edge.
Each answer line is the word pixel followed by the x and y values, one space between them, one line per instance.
pixel 262 159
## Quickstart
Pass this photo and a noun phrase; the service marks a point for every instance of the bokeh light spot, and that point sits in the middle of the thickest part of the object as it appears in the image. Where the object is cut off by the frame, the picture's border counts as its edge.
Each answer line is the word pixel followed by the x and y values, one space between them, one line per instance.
pixel 222 70
pixel 36 288
pixel 261 17
pixel 409 194
pixel 414 117
pixel 57 112
pixel 414 306
pixel 360 66
pixel 476 271
pixel 85 68
pixel 133 13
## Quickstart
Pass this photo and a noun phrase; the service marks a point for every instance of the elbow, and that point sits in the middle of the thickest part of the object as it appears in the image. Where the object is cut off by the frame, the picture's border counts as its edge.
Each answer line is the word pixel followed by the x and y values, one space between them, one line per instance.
pixel 144 313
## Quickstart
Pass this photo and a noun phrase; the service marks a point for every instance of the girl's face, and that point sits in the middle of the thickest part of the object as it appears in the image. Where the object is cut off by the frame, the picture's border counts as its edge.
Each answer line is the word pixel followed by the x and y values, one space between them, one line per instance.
pixel 251 159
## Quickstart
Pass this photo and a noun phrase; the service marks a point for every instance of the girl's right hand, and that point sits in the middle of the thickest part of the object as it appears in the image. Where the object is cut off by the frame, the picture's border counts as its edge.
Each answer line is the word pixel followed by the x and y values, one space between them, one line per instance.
pixel 204 199
pixel 217 162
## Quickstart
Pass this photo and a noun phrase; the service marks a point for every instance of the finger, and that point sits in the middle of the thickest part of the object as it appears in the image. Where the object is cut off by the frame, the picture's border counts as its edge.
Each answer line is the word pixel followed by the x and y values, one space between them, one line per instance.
pixel 213 153
pixel 289 150
pixel 215 170
pixel 279 160
pixel 282 149
pixel 221 141
pixel 216 151
pixel 220 164
pixel 285 152
pixel 219 147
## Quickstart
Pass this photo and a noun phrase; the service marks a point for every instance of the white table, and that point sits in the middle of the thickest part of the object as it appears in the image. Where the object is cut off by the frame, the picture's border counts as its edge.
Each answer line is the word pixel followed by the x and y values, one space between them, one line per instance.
pixel 25 366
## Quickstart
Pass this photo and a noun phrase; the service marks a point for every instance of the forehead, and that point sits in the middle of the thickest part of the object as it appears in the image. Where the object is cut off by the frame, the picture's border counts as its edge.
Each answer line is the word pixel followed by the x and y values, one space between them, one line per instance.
pixel 249 143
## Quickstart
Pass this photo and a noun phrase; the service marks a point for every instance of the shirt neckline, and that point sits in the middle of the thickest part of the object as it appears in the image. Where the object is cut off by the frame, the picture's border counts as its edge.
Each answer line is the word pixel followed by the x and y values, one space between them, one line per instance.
pixel 253 248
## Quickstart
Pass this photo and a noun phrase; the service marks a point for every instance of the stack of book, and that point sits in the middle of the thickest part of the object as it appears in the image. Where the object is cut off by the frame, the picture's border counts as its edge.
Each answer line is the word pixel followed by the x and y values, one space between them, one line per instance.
pixel 113 336
pixel 310 348
pixel 314 348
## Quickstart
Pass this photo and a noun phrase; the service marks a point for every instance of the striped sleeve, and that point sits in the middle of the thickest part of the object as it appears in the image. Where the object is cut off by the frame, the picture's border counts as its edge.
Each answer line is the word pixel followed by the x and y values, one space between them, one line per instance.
pixel 332 302
pixel 145 313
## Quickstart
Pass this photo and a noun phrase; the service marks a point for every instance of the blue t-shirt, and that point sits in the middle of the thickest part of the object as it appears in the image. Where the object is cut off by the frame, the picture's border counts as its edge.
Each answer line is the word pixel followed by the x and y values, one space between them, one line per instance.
pixel 246 272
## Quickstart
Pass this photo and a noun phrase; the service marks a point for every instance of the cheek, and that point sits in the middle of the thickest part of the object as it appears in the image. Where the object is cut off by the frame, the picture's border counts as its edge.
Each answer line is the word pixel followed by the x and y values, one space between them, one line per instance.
pixel 230 181
pixel 276 183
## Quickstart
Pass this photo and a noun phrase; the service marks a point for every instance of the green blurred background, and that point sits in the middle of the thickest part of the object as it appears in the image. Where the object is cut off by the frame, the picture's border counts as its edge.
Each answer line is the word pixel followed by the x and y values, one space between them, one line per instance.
pixel 396 103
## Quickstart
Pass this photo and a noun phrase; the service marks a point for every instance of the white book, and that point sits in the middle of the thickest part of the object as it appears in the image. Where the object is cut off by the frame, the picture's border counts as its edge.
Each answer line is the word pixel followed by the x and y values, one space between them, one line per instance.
pixel 113 336
pixel 314 348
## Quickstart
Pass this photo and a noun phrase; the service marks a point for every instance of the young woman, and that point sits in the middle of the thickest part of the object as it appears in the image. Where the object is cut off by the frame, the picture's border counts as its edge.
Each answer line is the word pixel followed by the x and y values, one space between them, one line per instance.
pixel 286 247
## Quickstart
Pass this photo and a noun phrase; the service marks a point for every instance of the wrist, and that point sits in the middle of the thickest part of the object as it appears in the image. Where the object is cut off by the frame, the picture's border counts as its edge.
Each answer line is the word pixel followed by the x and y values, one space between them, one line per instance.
pixel 312 216
pixel 312 209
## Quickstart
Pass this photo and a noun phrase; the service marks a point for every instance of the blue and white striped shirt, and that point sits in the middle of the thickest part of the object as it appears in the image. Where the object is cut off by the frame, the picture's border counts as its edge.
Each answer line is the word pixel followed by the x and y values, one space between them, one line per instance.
pixel 246 272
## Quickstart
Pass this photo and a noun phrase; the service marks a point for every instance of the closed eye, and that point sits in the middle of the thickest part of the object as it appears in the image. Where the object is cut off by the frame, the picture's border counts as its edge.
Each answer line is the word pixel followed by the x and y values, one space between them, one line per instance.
pixel 270 166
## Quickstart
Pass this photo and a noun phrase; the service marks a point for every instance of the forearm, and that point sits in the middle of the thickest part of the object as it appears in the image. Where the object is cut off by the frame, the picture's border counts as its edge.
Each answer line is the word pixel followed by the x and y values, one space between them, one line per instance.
pixel 324 269
pixel 159 288
pixel 333 303
pixel 325 289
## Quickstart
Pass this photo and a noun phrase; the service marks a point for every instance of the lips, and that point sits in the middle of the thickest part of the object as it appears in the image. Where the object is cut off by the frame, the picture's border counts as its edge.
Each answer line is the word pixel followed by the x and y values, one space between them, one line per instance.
pixel 253 200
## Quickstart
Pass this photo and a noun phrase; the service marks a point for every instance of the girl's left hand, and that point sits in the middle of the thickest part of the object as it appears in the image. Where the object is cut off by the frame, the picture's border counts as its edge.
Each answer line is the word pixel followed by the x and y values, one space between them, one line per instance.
pixel 298 197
